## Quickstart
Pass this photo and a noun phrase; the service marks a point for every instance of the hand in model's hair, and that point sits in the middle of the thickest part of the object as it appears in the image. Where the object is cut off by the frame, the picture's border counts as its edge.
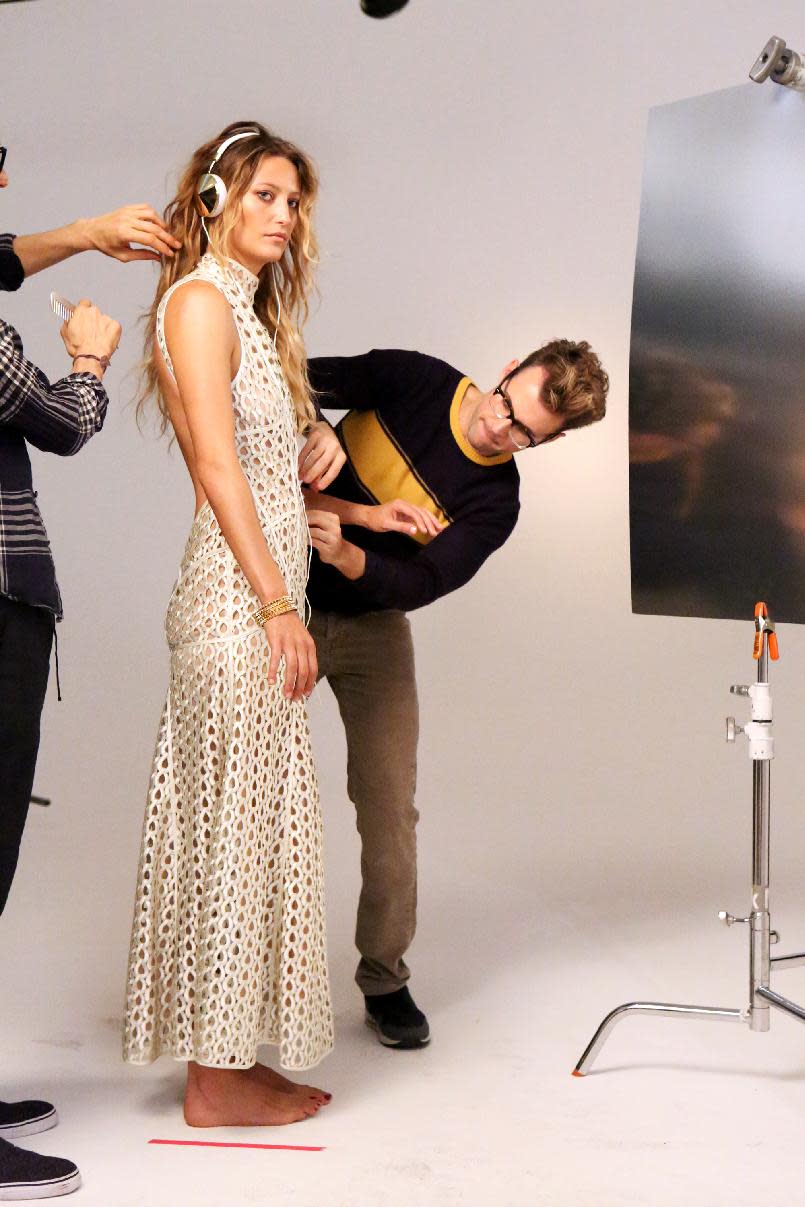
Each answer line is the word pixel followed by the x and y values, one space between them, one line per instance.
pixel 322 458
pixel 114 233
pixel 88 330
pixel 325 535
pixel 399 516
pixel 290 642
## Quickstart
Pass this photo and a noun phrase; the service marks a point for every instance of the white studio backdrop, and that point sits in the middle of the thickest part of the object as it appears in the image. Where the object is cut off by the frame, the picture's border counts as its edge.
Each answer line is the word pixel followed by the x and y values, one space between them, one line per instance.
pixel 481 167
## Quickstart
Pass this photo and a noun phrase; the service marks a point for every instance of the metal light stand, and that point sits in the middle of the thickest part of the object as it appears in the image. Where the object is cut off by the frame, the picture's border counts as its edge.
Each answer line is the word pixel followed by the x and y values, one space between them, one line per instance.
pixel 761 997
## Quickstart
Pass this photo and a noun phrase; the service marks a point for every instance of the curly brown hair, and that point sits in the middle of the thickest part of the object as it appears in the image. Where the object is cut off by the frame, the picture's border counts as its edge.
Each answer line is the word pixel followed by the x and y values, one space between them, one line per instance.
pixel 577 383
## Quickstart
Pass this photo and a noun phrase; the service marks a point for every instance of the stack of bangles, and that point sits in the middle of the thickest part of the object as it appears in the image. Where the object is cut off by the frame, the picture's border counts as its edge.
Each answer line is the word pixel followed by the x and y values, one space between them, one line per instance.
pixel 274 608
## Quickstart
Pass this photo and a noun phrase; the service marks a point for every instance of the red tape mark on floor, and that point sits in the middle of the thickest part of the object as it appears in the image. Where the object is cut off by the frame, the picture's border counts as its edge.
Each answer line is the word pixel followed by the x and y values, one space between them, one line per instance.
pixel 295 1148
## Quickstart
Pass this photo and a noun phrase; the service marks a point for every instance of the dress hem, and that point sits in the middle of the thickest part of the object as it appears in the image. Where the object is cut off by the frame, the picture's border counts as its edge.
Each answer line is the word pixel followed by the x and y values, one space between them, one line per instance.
pixel 144 1061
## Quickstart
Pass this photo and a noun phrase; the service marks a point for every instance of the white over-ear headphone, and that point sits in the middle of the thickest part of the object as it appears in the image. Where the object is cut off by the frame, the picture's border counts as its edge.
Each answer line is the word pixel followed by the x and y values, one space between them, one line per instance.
pixel 211 188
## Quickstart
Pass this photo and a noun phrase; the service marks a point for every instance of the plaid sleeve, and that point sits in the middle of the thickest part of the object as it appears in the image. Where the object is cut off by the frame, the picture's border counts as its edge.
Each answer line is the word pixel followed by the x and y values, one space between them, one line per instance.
pixel 12 274
pixel 58 418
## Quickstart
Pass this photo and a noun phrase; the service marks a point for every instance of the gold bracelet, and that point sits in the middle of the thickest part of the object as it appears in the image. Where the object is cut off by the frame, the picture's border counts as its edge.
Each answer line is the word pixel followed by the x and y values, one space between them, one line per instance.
pixel 274 608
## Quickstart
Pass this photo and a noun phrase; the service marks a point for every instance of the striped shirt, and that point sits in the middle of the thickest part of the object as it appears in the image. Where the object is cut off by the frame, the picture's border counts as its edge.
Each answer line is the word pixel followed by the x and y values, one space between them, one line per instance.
pixel 58 418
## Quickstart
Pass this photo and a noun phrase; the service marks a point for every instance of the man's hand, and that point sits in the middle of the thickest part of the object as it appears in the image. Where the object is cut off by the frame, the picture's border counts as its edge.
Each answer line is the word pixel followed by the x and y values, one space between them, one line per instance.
pixel 399 516
pixel 326 537
pixel 322 457
pixel 111 234
pixel 88 330
pixel 114 233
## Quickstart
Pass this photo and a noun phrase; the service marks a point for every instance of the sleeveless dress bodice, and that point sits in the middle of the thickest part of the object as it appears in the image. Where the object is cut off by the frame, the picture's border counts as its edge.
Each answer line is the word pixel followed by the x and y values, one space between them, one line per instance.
pixel 266 446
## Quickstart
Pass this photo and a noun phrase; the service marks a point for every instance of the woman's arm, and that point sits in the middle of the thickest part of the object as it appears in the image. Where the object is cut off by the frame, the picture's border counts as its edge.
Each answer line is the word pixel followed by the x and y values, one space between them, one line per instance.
pixel 202 341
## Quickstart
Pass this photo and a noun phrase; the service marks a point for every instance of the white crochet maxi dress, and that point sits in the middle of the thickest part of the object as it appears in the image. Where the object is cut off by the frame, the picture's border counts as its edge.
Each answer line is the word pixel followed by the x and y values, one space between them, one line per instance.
pixel 228 939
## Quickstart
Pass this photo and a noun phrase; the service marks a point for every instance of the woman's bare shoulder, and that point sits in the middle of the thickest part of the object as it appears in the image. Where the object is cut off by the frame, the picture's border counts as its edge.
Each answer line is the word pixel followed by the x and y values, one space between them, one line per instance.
pixel 197 300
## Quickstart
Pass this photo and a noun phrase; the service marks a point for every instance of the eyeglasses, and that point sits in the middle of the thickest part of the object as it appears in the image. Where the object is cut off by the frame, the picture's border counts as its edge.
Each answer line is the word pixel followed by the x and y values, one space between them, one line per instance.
pixel 520 436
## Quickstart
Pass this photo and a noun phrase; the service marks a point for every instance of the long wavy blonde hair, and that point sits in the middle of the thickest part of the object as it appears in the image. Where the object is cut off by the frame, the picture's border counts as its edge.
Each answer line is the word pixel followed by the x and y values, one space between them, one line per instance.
pixel 294 272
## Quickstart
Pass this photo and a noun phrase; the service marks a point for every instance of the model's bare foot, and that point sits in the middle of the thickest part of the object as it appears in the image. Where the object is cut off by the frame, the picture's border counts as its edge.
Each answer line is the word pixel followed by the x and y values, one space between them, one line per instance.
pixel 283 1085
pixel 233 1098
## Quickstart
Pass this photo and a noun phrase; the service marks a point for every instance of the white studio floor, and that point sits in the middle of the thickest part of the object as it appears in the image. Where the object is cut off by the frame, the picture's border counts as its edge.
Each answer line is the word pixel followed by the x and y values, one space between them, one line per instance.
pixel 676 1112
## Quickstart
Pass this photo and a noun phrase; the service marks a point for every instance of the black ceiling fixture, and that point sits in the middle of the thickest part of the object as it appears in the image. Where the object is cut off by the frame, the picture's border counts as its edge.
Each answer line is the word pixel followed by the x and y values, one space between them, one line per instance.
pixel 382 8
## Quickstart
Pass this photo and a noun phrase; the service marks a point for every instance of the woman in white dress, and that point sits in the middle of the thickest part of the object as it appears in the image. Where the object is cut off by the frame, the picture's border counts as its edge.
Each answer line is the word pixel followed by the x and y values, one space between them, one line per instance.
pixel 228 938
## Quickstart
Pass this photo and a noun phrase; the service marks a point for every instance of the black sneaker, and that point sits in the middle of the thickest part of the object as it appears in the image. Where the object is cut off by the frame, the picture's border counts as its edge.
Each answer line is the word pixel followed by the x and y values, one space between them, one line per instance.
pixel 26 1175
pixel 26 1118
pixel 396 1019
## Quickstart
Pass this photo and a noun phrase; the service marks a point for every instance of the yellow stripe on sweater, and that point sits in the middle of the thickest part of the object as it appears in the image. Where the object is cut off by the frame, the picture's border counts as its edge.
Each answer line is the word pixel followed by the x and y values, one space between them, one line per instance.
pixel 382 468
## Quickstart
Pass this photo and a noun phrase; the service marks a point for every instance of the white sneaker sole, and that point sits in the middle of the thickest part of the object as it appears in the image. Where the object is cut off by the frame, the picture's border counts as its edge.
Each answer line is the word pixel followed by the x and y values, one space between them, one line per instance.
pixel 405 1045
pixel 29 1127
pixel 51 1188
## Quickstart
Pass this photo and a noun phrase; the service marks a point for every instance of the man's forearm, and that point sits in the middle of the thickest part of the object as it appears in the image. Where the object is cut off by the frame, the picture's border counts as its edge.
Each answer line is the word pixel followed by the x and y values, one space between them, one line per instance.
pixel 348 513
pixel 51 247
pixel 351 561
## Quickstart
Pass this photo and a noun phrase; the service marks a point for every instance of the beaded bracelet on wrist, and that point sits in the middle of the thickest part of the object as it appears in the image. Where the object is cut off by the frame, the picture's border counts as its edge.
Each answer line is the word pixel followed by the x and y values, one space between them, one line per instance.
pixel 274 608
pixel 102 360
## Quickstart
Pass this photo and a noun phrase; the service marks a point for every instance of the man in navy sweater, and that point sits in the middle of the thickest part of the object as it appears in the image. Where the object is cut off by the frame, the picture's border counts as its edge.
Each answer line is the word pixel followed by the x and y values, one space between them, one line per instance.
pixel 429 490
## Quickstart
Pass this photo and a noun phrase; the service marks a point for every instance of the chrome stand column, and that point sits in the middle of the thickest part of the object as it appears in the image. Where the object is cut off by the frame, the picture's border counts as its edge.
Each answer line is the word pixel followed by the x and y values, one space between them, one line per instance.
pixel 760 919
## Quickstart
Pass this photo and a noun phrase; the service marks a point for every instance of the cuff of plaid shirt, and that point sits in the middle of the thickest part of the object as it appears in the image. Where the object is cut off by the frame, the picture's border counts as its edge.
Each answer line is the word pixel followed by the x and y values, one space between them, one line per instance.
pixel 12 274
pixel 93 400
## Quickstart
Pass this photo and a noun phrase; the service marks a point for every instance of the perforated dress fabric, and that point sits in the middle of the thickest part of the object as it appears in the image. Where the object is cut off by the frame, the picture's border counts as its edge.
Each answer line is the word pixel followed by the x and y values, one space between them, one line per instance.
pixel 228 941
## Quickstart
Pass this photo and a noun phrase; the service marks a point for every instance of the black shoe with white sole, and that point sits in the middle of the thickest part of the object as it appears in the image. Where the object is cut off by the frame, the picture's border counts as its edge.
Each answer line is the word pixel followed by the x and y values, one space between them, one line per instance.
pixel 26 1118
pixel 25 1175
pixel 396 1019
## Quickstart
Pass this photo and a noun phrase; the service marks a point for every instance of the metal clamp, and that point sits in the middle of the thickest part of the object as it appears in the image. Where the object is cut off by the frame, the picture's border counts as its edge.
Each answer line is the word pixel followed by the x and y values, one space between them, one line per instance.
pixel 779 63
pixel 732 729
pixel 730 919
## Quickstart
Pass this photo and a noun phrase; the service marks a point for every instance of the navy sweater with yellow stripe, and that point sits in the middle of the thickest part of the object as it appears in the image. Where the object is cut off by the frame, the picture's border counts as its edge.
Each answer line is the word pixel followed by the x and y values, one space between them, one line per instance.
pixel 403 441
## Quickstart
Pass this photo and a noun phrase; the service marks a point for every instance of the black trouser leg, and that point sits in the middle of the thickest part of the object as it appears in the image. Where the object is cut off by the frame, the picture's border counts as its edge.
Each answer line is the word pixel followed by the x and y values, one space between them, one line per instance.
pixel 26 634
